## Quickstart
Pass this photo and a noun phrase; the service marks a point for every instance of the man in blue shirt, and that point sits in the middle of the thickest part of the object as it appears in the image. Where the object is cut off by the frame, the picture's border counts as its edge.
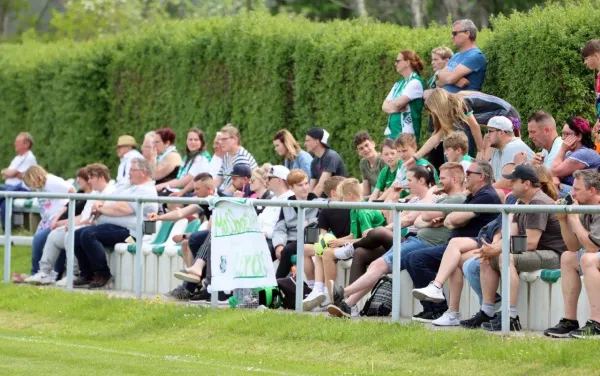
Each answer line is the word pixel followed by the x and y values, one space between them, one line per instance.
pixel 466 69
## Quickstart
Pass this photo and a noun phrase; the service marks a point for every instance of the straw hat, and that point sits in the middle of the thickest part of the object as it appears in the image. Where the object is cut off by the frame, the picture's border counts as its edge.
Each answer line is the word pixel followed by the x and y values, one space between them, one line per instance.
pixel 126 140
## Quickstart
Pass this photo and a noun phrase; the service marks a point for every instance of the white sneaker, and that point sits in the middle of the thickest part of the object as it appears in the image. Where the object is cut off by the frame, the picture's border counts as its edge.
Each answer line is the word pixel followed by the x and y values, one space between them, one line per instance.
pixel 323 306
pixel 344 253
pixel 354 312
pixel 449 318
pixel 39 278
pixel 313 300
pixel 63 282
pixel 430 294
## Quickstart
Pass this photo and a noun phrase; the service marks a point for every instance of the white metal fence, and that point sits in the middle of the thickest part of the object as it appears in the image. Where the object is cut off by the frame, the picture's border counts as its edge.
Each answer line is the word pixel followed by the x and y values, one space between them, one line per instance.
pixel 505 210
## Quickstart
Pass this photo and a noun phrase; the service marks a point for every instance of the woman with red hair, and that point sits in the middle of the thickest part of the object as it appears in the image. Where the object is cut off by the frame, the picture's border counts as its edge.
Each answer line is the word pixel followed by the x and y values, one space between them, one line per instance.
pixel 168 159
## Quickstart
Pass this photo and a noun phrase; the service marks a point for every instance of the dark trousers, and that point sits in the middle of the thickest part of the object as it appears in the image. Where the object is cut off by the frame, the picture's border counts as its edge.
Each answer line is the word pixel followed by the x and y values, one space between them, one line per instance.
pixel 363 257
pixel 423 265
pixel 377 237
pixel 285 262
pixel 9 188
pixel 89 247
pixel 196 240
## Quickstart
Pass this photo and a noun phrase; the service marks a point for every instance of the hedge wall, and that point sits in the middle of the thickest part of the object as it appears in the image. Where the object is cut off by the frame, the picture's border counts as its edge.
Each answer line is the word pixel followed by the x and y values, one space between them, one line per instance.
pixel 264 73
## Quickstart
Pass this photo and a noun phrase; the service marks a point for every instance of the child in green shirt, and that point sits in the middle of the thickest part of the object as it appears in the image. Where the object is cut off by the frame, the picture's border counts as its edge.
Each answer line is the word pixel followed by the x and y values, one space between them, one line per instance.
pixel 387 175
pixel 456 147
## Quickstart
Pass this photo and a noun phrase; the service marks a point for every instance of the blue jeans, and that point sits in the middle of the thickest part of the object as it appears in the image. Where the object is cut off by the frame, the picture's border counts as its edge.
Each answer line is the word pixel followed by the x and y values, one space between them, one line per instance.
pixel 471 270
pixel 9 188
pixel 37 249
pixel 408 246
pixel 423 267
pixel 89 247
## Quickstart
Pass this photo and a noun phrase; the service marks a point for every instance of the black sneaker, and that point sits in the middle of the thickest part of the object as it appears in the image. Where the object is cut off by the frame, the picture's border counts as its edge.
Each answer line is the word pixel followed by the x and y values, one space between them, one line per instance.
pixel 476 321
pixel 562 329
pixel 495 325
pixel 101 281
pixel 180 293
pixel 202 296
pixel 340 310
pixel 428 315
pixel 81 282
pixel 337 291
pixel 591 329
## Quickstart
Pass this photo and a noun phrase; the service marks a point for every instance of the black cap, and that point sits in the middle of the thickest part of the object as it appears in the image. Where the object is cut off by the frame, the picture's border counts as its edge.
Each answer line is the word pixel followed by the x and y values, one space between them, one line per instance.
pixel 242 170
pixel 523 172
pixel 319 134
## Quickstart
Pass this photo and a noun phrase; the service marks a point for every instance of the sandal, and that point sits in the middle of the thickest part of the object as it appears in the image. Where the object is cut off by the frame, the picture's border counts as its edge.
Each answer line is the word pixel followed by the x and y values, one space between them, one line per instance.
pixel 187 277
pixel 19 277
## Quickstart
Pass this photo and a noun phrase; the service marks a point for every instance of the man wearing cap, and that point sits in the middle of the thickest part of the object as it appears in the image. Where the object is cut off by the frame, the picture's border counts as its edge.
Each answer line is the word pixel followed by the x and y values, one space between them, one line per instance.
pixel 277 183
pixel 502 138
pixel 240 181
pixel 127 151
pixel 326 163
pixel 544 246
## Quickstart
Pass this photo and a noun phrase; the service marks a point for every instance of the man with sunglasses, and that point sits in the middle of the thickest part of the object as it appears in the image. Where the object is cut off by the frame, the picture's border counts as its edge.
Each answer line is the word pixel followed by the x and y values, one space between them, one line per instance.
pixel 466 69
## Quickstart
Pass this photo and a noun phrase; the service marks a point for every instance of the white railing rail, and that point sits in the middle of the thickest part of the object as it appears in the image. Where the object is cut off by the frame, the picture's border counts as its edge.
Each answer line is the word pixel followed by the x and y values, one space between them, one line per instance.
pixel 505 210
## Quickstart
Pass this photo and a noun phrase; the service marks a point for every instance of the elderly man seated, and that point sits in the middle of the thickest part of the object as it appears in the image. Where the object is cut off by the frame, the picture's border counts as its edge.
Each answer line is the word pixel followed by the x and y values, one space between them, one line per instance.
pixel 115 222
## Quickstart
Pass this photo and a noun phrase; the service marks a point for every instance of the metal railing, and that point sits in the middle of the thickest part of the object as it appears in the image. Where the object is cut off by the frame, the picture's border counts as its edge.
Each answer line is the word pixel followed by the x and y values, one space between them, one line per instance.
pixel 505 210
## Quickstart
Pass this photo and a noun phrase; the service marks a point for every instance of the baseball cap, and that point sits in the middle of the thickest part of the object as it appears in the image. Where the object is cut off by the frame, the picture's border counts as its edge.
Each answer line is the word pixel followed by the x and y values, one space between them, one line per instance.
pixel 242 170
pixel 319 134
pixel 523 172
pixel 279 171
pixel 501 122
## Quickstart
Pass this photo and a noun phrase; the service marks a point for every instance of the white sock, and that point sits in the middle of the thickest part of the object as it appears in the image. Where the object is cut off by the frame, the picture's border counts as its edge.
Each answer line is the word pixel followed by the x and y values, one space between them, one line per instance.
pixel 310 283
pixel 319 286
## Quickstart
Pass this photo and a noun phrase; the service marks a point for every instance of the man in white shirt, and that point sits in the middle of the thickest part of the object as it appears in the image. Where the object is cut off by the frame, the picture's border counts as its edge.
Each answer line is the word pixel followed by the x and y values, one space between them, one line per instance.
pixel 115 222
pixel 99 179
pixel 542 132
pixel 270 215
pixel 127 152
pixel 13 175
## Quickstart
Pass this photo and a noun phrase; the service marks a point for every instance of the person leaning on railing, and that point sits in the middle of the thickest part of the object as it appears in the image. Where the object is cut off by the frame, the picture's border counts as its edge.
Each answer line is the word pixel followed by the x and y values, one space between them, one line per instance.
pixel 115 222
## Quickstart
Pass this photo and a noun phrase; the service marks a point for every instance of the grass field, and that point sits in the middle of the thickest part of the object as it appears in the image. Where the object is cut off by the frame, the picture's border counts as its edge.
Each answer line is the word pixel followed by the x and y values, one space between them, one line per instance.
pixel 48 330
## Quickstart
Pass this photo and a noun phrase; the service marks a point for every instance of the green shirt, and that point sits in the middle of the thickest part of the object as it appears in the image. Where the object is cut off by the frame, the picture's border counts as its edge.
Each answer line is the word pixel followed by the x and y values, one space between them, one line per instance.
pixel 364 219
pixel 386 178
pixel 407 121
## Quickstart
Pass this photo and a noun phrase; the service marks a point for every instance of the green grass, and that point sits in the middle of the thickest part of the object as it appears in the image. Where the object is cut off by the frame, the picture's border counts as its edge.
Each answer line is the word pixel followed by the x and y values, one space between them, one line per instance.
pixel 49 330
pixel 20 259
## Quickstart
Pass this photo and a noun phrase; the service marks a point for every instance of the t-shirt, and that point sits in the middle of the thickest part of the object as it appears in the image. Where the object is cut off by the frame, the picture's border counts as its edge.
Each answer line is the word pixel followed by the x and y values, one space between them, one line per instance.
pixel 270 215
pixel 21 163
pixel 302 161
pixel 486 106
pixel 466 161
pixel 591 222
pixel 241 157
pixel 439 235
pixel 330 161
pixel 364 219
pixel 215 165
pixel 408 120
pixel 507 155
pixel 129 221
pixel 199 165
pixel 371 174
pixel 402 171
pixel 336 221
pixel 589 157
pixel 87 210
pixel 50 207
pixel 473 59
pixel 122 177
pixel 386 177
pixel 551 155
pixel 551 238
pixel 485 195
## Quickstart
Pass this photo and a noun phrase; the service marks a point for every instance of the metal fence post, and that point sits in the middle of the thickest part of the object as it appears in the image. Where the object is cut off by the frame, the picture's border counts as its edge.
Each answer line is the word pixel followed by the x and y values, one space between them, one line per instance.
pixel 139 234
pixel 397 250
pixel 7 243
pixel 300 260
pixel 505 272
pixel 71 244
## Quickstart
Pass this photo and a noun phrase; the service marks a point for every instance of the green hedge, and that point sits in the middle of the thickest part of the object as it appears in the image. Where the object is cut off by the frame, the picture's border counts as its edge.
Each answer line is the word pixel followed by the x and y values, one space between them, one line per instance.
pixel 264 73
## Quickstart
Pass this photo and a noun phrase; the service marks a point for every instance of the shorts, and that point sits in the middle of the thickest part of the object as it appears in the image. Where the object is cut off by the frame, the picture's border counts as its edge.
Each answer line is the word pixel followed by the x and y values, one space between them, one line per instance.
pixel 531 261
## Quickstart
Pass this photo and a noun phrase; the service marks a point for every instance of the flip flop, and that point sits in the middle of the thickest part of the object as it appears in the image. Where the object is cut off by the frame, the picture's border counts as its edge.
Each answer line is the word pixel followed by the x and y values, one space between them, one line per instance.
pixel 19 277
pixel 187 277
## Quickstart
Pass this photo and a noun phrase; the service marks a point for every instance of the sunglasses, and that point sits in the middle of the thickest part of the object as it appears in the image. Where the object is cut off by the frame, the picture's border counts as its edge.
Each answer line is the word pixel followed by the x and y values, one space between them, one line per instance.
pixel 455 33
pixel 469 172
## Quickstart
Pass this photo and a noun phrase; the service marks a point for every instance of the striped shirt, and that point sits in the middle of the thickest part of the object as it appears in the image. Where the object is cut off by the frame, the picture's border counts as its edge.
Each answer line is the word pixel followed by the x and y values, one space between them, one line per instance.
pixel 241 157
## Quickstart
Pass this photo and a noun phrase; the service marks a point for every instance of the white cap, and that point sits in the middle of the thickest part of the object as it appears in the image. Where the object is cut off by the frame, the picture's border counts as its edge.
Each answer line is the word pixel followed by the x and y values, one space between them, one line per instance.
pixel 279 171
pixel 501 122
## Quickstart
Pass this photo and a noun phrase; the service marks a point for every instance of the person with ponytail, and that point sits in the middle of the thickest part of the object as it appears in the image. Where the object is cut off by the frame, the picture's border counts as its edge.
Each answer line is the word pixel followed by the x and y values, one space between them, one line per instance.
pixel 404 103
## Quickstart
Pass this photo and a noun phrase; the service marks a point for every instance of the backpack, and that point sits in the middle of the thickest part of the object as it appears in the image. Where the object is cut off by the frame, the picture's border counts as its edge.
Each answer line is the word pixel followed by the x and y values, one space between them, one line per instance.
pixel 380 302
pixel 287 292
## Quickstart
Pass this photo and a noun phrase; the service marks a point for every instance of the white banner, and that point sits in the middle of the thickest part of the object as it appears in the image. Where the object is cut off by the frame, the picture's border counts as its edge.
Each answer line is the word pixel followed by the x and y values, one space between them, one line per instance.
pixel 240 256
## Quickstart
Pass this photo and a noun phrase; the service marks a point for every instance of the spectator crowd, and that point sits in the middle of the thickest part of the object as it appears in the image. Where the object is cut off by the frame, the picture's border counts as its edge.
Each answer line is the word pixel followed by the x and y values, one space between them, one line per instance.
pixel 474 156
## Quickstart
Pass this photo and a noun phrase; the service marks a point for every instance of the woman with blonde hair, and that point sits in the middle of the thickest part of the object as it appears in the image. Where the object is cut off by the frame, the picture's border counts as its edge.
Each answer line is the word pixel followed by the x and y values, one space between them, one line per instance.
pixel 449 112
pixel 259 185
pixel 404 103
pixel 294 157
pixel 38 180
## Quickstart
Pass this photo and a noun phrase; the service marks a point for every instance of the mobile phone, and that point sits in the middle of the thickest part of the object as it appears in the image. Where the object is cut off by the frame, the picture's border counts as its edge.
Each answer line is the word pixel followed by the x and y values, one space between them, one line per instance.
pixel 569 200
